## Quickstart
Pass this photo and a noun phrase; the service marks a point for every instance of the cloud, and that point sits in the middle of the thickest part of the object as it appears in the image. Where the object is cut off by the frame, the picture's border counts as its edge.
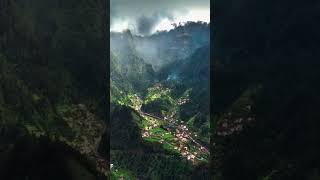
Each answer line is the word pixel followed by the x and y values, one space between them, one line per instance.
pixel 142 16
pixel 145 24
pixel 147 5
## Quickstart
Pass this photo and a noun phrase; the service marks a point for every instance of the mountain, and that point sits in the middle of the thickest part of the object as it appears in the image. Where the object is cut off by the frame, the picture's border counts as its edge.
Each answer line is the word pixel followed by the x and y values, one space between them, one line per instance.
pixel 190 79
pixel 52 108
pixel 126 62
pixel 151 113
pixel 165 47
pixel 265 90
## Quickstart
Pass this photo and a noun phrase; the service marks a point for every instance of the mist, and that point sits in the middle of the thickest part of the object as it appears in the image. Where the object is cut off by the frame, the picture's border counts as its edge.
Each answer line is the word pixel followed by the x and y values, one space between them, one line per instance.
pixel 160 49
pixel 146 17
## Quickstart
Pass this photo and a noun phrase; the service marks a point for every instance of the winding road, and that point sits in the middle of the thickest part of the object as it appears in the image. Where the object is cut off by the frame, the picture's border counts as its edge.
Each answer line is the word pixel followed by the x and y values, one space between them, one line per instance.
pixel 173 123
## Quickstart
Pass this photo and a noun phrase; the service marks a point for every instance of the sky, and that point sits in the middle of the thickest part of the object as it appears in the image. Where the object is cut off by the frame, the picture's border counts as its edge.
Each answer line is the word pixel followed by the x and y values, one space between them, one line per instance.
pixel 145 17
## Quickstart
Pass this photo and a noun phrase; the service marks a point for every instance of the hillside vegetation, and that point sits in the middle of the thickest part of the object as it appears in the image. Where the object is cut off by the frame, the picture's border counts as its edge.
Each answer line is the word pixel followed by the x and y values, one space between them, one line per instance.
pixel 53 64
pixel 265 75
pixel 160 108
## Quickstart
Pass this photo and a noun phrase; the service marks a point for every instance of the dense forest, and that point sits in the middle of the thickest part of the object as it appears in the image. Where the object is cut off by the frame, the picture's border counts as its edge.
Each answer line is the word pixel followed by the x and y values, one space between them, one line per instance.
pixel 160 103
pixel 263 122
pixel 53 64
pixel 266 90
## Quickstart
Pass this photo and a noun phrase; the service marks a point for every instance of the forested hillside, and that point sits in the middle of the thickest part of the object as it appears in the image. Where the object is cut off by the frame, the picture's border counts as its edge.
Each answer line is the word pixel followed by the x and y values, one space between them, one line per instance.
pixel 160 103
pixel 53 89
pixel 265 96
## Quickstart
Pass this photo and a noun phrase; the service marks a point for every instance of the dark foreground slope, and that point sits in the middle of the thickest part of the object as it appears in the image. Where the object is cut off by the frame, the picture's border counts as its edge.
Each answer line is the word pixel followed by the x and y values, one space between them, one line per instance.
pixel 266 90
pixel 52 105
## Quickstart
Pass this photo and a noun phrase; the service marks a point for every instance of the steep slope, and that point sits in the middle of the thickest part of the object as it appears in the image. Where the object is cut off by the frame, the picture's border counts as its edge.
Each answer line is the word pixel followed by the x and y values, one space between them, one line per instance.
pixel 179 43
pixel 128 64
pixel 52 72
pixel 265 74
pixel 147 131
pixel 189 81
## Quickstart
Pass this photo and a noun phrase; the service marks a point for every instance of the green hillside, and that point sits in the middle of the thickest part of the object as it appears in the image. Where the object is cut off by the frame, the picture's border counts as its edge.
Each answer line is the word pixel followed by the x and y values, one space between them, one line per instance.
pixel 52 83
pixel 157 130
pixel 265 90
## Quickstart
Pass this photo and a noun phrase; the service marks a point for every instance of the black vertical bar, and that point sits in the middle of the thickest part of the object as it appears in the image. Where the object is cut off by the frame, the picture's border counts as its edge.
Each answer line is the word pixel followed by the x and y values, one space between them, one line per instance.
pixel 212 36
pixel 106 27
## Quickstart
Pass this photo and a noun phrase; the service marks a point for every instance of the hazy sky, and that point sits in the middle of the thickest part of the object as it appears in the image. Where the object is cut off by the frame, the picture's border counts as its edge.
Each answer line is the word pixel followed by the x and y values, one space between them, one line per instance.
pixel 145 17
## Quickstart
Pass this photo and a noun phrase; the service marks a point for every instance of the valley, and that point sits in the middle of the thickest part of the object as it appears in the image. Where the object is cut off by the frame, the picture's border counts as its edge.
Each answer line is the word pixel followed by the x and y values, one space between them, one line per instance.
pixel 159 100
pixel 174 134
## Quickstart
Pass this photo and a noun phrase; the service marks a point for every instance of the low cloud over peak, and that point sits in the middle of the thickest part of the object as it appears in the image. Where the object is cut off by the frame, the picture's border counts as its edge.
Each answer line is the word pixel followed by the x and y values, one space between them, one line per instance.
pixel 144 16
